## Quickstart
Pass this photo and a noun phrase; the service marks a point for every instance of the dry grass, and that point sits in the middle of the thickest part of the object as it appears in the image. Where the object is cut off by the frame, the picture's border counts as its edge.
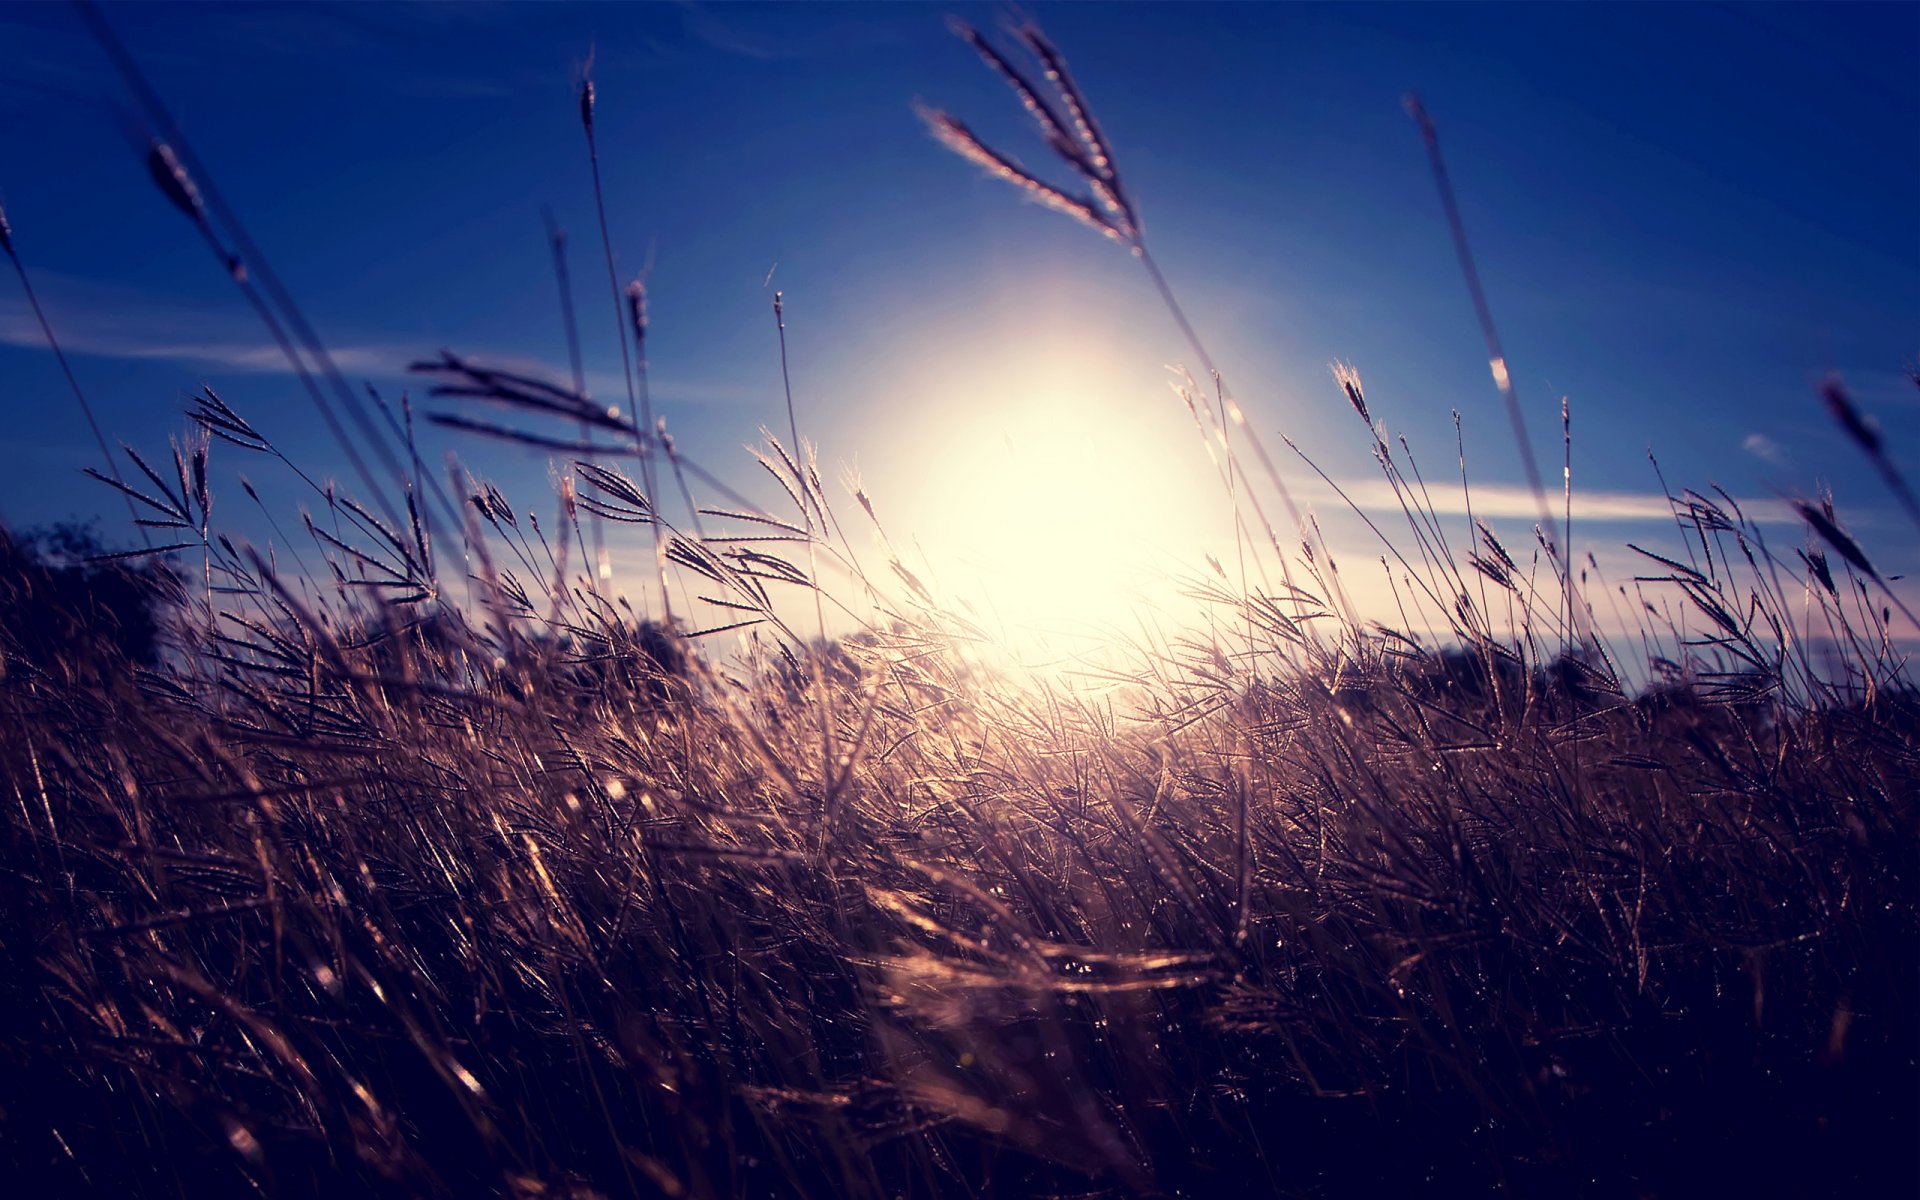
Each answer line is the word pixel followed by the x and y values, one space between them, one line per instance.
pixel 368 890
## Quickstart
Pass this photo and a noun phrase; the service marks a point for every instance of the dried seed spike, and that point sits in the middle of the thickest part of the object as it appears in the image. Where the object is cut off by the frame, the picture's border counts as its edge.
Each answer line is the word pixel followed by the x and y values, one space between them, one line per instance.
pixel 201 491
pixel 1493 571
pixel 1493 543
pixel 1816 561
pixel 1349 380
pixel 1105 175
pixel 1088 131
pixel 1864 430
pixel 6 233
pixel 1866 433
pixel 176 505
pixel 212 415
pixel 1417 109
pixel 174 181
pixel 617 487
pixel 1052 129
pixel 1821 518
pixel 422 545
pixel 180 472
pixel 637 310
pixel 958 138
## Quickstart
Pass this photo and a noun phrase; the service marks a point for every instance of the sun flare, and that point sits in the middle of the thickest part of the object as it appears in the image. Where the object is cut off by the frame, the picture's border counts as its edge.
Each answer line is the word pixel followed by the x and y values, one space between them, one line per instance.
pixel 1057 494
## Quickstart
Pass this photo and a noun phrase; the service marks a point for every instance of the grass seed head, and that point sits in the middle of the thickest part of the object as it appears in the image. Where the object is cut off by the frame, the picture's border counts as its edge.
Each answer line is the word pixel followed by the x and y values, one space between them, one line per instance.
pixel 174 182
pixel 1864 430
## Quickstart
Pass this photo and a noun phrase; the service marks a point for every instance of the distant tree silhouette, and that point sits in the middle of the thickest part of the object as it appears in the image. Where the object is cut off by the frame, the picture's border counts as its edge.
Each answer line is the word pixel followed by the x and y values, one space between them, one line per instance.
pixel 612 658
pixel 65 601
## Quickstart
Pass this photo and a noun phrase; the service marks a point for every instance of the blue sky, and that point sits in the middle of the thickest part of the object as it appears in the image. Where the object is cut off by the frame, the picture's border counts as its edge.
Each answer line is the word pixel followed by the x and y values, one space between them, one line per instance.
pixel 1685 218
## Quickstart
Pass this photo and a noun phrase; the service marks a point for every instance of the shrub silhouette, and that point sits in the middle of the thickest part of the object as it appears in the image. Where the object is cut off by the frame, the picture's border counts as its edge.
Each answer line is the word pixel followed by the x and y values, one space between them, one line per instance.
pixel 65 602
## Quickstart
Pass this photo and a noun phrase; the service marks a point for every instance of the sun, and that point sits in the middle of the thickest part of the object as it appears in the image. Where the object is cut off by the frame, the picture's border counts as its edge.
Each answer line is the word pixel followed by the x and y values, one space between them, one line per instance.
pixel 1056 494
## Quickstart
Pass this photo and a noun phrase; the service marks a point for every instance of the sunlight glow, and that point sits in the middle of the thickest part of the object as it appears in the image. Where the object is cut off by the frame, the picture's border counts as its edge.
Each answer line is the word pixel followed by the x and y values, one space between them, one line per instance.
pixel 1057 495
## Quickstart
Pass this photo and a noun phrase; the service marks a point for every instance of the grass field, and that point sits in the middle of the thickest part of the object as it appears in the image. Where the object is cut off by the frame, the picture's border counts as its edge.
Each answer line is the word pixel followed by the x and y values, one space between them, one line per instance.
pixel 377 880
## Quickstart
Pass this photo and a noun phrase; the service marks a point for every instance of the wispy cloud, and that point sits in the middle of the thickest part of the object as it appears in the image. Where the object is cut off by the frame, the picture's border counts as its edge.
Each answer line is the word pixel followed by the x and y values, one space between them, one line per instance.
pixel 1764 448
pixel 238 358
pixel 719 34
pixel 1496 501
pixel 782 35
pixel 107 321
pixel 235 356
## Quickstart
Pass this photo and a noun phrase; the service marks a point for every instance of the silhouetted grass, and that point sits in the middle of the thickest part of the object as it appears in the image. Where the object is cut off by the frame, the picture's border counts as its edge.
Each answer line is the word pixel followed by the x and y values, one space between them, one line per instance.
pixel 369 888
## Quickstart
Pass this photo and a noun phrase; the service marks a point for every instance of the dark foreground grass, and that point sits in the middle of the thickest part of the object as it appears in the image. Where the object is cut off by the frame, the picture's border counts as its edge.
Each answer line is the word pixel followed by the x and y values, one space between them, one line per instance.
pixel 367 888
pixel 448 911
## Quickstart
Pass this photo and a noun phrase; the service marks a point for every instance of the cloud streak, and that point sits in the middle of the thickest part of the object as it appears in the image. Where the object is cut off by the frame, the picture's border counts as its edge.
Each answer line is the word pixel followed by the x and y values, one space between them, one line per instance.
pixel 105 322
pixel 239 358
pixel 110 322
pixel 1498 501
